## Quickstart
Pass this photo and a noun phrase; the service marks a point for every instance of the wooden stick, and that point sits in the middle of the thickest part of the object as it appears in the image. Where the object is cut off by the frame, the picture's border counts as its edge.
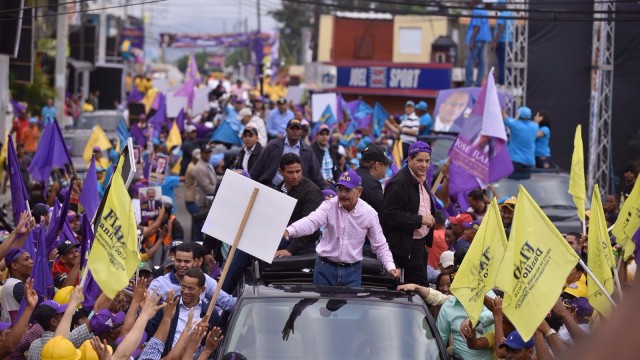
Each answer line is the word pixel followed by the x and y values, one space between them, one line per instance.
pixel 616 277
pixel 232 251
pixel 595 280
pixel 439 178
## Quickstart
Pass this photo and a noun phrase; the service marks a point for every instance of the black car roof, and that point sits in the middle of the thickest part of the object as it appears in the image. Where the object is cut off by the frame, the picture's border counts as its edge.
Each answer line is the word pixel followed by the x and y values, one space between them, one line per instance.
pixel 312 291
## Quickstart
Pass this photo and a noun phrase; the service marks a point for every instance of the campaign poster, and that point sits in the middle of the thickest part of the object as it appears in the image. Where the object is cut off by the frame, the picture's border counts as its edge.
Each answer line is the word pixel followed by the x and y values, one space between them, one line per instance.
pixel 150 202
pixel 158 168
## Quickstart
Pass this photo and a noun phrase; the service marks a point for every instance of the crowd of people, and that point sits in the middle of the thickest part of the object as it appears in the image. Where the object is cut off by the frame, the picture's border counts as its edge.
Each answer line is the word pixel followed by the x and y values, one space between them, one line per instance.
pixel 352 201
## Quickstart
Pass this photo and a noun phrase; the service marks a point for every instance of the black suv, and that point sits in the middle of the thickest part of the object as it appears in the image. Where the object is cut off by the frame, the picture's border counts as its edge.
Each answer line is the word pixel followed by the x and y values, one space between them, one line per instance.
pixel 293 319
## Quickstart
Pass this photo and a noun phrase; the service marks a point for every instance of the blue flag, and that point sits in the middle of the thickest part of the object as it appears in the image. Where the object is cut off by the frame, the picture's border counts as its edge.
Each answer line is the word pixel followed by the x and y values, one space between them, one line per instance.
pixel 89 198
pixel 51 153
pixel 349 134
pixel 327 118
pixel 363 115
pixel 123 134
pixel 380 116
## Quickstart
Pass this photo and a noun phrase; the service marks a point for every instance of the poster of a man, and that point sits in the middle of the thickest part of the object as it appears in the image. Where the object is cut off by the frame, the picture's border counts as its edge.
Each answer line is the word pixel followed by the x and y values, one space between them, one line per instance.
pixel 451 106
pixel 149 203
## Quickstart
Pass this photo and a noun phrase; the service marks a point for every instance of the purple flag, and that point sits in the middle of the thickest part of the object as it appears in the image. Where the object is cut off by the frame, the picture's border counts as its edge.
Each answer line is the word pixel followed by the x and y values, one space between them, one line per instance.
pixel 138 135
pixel 192 72
pixel 160 117
pixel 180 120
pixel 636 240
pixel 41 272
pixel 19 195
pixel 55 227
pixel 17 107
pixel 479 154
pixel 135 96
pixel 89 197
pixel 187 90
pixel 91 292
pixel 51 153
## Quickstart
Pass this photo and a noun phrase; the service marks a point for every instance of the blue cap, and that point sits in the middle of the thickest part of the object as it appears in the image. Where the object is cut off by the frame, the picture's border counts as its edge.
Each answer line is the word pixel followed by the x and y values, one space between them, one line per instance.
pixel 409 103
pixel 418 147
pixel 422 106
pixel 515 341
pixel 524 113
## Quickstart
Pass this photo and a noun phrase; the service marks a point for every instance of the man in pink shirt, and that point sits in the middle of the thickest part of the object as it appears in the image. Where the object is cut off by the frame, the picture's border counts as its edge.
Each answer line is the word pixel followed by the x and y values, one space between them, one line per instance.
pixel 347 220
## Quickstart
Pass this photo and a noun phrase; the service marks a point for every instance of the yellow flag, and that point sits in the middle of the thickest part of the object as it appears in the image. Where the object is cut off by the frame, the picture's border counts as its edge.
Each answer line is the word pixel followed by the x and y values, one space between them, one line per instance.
pixel 176 167
pixel 478 271
pixel 3 156
pixel 534 268
pixel 97 138
pixel 114 255
pixel 577 185
pixel 628 221
pixel 148 99
pixel 600 259
pixel 397 153
pixel 174 138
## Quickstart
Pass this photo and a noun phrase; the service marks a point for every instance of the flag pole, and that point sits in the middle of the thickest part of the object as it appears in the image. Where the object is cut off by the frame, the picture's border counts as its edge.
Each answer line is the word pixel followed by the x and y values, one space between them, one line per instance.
pixel 616 277
pixel 597 282
pixel 232 251
pixel 439 178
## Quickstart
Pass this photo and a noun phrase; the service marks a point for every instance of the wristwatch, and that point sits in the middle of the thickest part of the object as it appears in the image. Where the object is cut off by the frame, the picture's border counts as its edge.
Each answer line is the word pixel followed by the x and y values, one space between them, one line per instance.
pixel 549 333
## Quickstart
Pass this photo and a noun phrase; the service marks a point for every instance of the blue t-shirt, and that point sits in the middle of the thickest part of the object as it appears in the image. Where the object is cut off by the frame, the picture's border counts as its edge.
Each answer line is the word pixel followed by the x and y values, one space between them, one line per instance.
pixel 522 143
pixel 170 183
pixel 425 120
pixel 542 143
pixel 506 36
pixel 485 32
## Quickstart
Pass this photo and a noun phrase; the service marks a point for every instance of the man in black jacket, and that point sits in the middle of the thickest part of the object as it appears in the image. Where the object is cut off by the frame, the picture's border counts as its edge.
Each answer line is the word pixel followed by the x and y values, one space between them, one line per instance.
pixel 326 156
pixel 406 214
pixel 265 171
pixel 251 150
pixel 373 167
pixel 309 197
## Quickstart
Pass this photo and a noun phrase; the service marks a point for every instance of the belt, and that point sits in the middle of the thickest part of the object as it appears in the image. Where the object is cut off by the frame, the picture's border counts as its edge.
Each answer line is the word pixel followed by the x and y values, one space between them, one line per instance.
pixel 338 264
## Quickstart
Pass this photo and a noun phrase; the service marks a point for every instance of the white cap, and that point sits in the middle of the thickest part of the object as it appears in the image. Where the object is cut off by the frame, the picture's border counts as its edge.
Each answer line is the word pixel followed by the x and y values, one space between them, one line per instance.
pixel 446 259
pixel 244 112
pixel 190 128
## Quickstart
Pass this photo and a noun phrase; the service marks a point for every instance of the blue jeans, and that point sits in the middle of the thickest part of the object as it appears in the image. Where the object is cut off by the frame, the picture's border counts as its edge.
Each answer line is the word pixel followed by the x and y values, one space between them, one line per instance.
pixel 475 55
pixel 329 274
pixel 500 55
pixel 196 228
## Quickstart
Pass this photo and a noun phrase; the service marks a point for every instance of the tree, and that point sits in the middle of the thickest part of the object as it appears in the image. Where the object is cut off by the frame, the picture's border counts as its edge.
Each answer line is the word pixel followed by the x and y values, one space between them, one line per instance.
pixel 36 93
pixel 294 17
pixel 201 61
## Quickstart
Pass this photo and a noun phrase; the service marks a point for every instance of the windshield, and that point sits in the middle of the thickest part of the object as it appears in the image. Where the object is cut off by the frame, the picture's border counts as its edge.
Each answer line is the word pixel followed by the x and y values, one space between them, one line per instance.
pixel 547 191
pixel 330 329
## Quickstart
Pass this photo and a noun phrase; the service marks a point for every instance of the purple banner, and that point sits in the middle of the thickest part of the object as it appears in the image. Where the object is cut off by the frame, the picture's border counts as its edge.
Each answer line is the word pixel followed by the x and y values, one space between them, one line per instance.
pixel 133 33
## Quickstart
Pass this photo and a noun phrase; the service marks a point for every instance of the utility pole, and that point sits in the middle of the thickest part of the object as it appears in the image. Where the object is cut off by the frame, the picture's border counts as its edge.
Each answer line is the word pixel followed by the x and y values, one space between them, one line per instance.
pixel 259 19
pixel 102 34
pixel 62 34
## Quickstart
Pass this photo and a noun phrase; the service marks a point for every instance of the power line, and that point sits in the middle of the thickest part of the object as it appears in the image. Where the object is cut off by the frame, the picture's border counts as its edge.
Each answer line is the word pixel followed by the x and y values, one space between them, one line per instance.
pixel 553 15
pixel 80 11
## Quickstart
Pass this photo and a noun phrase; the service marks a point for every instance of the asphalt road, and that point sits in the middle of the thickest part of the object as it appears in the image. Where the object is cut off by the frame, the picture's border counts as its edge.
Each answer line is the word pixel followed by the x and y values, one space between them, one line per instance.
pixel 181 212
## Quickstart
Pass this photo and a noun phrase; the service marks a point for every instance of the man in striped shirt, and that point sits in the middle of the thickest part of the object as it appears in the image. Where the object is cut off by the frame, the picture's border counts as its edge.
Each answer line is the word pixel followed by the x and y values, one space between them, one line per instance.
pixel 347 220
pixel 409 127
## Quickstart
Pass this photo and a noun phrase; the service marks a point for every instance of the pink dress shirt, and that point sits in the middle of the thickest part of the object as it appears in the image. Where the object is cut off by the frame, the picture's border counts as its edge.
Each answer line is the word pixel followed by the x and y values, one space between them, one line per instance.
pixel 345 232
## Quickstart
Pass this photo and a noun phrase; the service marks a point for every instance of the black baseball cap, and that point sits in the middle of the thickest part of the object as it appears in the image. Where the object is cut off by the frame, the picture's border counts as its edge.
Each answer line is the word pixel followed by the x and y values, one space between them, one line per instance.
pixel 250 129
pixel 66 246
pixel 294 122
pixel 375 153
pixel 206 148
pixel 282 101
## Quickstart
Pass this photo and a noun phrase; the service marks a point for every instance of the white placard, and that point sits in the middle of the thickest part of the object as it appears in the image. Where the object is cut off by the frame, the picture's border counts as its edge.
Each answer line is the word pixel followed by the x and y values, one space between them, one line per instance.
pixel 201 101
pixel 265 226
pixel 161 84
pixel 175 104
pixel 320 101
pixel 295 94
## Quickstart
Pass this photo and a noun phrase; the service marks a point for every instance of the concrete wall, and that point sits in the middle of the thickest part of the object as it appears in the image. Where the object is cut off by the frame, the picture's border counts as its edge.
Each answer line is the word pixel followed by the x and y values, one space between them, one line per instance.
pixel 430 27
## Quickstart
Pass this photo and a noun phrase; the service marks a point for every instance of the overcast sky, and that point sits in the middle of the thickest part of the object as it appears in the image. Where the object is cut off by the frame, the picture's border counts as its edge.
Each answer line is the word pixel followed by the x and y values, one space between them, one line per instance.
pixel 203 16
